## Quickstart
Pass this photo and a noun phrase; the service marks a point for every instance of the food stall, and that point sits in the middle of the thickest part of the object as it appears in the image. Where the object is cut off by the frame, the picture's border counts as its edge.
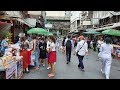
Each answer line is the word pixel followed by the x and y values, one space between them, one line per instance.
pixel 11 66
pixel 116 41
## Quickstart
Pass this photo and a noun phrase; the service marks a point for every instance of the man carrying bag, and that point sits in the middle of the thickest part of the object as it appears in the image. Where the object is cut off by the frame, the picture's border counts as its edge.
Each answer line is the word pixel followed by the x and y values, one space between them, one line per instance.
pixel 69 45
pixel 81 51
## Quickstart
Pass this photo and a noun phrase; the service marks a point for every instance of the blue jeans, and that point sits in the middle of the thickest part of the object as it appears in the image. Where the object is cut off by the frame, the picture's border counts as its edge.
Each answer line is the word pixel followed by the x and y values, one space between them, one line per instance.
pixel 37 63
pixel 81 61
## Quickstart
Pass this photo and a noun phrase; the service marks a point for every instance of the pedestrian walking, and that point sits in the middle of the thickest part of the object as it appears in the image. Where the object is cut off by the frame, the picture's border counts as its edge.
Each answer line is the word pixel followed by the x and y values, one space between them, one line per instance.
pixel 81 50
pixel 106 50
pixel 63 44
pixel 52 56
pixel 69 45
pixel 99 43
pixel 94 44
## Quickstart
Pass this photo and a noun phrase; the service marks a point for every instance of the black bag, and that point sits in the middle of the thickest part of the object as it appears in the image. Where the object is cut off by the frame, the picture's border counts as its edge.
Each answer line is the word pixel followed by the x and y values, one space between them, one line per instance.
pixel 79 50
pixel 77 53
pixel 68 44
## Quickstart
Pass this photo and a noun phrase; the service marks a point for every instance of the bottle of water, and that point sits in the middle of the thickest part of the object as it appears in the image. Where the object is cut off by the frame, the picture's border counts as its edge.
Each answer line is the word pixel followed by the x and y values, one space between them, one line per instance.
pixel 86 57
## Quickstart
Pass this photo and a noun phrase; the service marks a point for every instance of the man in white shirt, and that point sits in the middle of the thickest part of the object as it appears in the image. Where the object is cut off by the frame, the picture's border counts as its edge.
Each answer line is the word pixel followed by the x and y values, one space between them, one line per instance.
pixel 82 49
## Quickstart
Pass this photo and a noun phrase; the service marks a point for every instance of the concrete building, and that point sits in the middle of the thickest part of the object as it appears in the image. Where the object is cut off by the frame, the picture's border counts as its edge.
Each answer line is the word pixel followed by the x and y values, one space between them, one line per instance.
pixel 75 20
pixel 106 19
pixel 58 25
pixel 55 13
pixel 67 13
pixel 21 21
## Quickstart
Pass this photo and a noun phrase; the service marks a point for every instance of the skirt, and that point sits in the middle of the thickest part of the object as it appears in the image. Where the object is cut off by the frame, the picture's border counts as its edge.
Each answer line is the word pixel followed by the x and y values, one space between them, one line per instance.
pixel 43 54
pixel 26 58
pixel 52 57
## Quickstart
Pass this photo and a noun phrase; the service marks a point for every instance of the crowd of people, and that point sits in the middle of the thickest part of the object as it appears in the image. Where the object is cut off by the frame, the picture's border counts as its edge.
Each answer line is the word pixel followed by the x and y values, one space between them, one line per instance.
pixel 37 50
pixel 105 50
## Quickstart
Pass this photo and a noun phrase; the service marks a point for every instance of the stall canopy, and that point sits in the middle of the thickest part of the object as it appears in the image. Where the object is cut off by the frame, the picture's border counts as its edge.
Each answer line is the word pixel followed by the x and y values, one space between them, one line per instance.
pixel 28 21
pixel 37 31
pixel 91 32
pixel 111 32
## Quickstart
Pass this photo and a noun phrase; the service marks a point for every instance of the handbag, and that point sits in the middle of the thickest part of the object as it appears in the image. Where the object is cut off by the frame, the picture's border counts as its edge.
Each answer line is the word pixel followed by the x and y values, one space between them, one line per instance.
pixel 79 50
pixel 99 54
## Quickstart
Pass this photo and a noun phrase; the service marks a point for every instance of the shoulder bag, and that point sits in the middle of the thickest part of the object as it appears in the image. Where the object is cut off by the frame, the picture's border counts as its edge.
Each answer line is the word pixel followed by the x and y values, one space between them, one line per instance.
pixel 79 49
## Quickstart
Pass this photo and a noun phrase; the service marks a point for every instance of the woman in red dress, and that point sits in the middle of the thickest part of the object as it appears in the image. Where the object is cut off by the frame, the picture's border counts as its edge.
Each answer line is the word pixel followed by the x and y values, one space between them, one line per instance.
pixel 52 56
pixel 25 54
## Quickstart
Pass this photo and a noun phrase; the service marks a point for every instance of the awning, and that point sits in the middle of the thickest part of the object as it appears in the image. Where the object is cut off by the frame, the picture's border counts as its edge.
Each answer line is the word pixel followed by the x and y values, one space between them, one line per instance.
pixel 3 23
pixel 5 26
pixel 109 27
pixel 91 32
pixel 111 32
pixel 28 22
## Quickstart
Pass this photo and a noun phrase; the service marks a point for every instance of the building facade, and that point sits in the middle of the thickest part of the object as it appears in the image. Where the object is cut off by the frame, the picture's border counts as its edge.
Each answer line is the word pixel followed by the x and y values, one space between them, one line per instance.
pixel 58 25
pixel 75 20
pixel 21 21
pixel 106 19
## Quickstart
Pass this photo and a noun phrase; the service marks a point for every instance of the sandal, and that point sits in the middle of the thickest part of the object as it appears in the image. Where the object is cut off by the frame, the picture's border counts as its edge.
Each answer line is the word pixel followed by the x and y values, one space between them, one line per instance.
pixel 37 68
pixel 51 75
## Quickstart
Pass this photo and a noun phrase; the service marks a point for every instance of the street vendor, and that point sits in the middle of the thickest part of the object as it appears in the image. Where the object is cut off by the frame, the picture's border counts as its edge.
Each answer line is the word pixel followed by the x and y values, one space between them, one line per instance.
pixel 4 44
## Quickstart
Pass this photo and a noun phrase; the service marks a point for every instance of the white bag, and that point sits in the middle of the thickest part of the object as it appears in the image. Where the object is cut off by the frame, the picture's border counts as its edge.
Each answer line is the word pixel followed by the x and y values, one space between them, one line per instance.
pixel 32 60
pixel 99 54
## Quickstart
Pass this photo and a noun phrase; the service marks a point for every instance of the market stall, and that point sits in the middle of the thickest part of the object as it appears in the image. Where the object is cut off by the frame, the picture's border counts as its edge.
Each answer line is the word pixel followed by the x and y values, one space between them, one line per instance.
pixel 11 66
pixel 116 50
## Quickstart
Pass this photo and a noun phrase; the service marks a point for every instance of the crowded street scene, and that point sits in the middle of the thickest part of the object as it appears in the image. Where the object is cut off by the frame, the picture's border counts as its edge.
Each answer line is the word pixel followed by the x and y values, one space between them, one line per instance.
pixel 59 44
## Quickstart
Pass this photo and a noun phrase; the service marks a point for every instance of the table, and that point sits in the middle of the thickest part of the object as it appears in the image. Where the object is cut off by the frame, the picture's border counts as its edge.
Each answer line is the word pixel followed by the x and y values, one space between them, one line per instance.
pixel 15 71
pixel 19 69
pixel 9 73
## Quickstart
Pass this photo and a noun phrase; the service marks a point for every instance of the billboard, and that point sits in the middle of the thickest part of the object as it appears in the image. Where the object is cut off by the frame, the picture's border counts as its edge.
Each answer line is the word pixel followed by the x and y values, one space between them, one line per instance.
pixel 86 22
pixel 48 25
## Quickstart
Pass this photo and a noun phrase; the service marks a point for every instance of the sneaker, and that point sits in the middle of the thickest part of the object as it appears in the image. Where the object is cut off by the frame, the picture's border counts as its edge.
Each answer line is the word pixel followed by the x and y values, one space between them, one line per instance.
pixel 102 71
pixel 43 65
pixel 107 77
pixel 67 62
pixel 48 68
pixel 78 65
pixel 82 70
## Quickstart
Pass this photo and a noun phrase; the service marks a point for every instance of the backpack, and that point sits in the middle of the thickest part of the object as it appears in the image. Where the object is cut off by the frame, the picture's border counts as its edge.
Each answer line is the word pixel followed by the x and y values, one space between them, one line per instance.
pixel 68 44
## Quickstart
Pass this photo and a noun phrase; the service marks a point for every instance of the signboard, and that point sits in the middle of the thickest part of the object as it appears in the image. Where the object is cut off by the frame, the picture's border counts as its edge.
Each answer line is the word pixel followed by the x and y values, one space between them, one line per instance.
pixel 48 25
pixel 34 12
pixel 86 22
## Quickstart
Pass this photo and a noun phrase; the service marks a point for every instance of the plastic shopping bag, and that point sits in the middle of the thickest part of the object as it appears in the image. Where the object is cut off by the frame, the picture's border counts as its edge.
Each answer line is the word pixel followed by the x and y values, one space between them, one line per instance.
pixel 32 60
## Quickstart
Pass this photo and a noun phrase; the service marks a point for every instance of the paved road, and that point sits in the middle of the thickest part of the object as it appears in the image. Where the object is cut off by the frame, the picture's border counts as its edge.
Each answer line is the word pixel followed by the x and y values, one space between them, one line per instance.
pixel 71 71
